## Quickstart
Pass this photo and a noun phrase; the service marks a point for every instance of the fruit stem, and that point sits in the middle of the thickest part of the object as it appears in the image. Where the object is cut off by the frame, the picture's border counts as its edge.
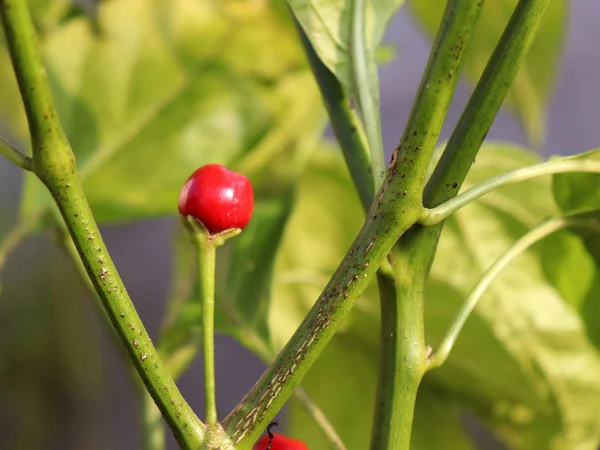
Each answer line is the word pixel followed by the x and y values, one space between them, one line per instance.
pixel 205 256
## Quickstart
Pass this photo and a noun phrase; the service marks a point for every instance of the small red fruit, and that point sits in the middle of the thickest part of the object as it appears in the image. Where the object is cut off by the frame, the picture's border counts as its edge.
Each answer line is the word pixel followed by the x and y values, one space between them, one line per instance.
pixel 280 442
pixel 217 197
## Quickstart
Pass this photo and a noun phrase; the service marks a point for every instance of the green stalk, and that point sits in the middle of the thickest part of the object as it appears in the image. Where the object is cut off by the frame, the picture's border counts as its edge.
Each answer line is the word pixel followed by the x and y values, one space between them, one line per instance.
pixel 419 245
pixel 205 256
pixel 54 164
pixel 402 358
pixel 153 431
pixel 438 214
pixel 391 214
pixel 14 155
pixel 320 419
pixel 544 229
pixel 402 361
pixel 485 102
pixel 345 123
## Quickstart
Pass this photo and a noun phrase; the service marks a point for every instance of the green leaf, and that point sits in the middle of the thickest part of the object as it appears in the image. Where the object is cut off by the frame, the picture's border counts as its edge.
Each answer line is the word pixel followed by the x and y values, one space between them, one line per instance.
pixel 524 364
pixel 568 260
pixel 328 25
pixel 578 192
pixel 156 89
pixel 532 88
pixel 508 366
pixel 346 34
pixel 573 258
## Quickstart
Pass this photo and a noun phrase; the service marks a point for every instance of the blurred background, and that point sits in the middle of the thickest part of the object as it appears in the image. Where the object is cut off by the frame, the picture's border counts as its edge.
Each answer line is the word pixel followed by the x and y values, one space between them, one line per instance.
pixel 63 383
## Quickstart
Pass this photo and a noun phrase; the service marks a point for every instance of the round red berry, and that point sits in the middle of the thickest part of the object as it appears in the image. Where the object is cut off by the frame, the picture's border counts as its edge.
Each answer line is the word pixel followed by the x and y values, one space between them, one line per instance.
pixel 280 442
pixel 217 197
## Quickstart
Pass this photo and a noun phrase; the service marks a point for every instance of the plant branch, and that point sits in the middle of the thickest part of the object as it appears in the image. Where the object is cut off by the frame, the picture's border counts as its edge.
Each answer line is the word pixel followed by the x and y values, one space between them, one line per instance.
pixel 153 432
pixel 391 214
pixel 438 214
pixel 345 123
pixel 54 164
pixel 485 101
pixel 544 229
pixel 402 358
pixel 420 243
pixel 14 155
pixel 366 86
pixel 320 418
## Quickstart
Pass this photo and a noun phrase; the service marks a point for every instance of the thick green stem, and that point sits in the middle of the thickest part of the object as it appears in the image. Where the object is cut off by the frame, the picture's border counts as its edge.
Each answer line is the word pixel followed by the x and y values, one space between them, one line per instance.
pixel 438 214
pixel 14 155
pixel 402 358
pixel 421 242
pixel 538 233
pixel 391 214
pixel 346 125
pixel 205 256
pixel 100 268
pixel 54 164
pixel 485 102
pixel 402 362
pixel 153 432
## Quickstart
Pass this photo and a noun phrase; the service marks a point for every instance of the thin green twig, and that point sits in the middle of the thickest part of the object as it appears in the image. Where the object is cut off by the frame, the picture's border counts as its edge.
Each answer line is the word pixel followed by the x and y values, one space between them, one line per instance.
pixel 16 234
pixel 14 155
pixel 544 229
pixel 205 257
pixel 320 418
pixel 438 214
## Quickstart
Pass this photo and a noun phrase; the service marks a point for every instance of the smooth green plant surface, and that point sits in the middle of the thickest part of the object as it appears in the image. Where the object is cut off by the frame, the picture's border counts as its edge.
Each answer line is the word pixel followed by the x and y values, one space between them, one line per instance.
pixel 230 84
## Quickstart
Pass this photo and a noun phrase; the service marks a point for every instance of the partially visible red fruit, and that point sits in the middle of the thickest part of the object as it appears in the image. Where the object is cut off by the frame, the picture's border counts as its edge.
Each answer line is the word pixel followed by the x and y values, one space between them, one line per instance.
pixel 217 197
pixel 280 442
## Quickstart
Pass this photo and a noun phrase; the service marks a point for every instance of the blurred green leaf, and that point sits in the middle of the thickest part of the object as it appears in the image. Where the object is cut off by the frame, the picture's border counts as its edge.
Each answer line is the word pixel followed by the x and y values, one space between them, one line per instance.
pixel 578 192
pixel 153 90
pixel 244 293
pixel 568 260
pixel 577 266
pixel 532 88
pixel 509 364
pixel 524 364
pixel 47 16
pixel 328 25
